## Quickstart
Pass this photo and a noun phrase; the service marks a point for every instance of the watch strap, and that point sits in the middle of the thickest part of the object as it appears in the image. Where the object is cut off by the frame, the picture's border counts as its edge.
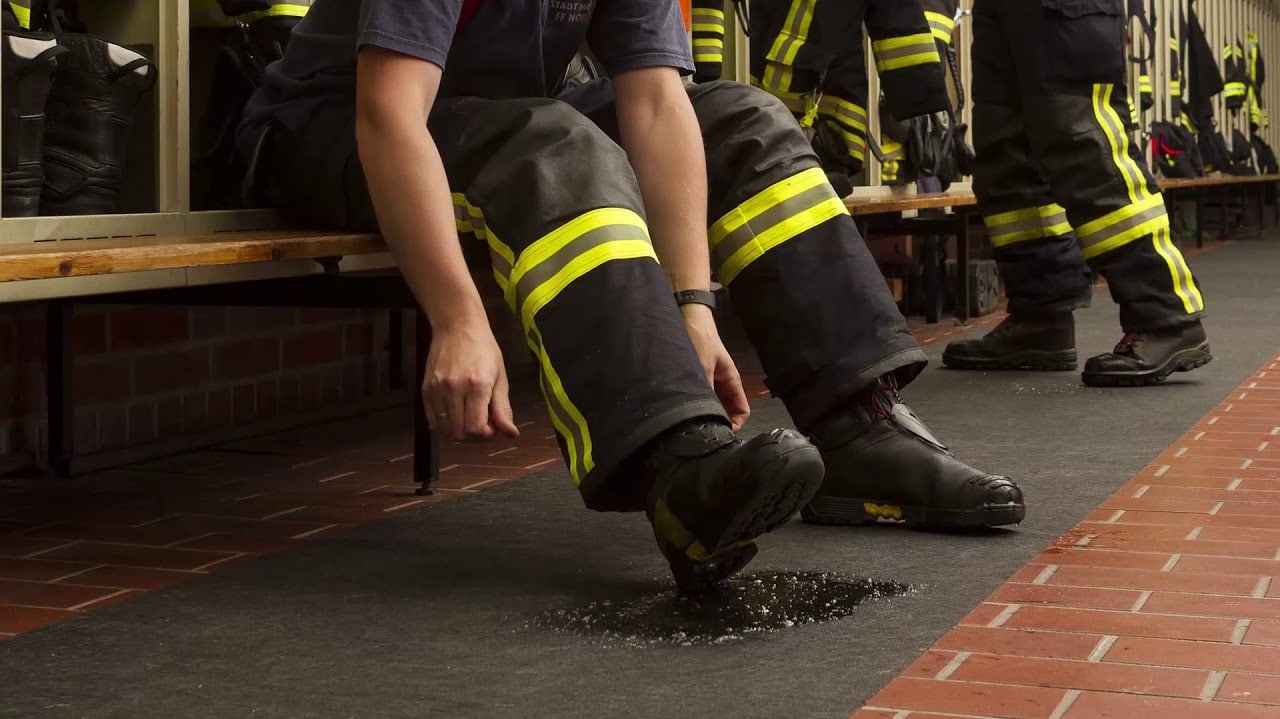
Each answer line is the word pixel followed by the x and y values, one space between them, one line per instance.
pixel 698 297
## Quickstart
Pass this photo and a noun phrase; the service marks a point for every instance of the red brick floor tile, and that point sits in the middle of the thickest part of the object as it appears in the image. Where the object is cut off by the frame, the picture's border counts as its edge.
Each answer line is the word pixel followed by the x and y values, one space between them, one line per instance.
pixel 1147 580
pixel 1082 557
pixel 983 614
pixel 1251 688
pixel 1214 606
pixel 152 535
pixel 201 524
pixel 233 543
pixel 119 595
pixel 995 700
pixel 132 577
pixel 1241 534
pixel 1199 547
pixel 1263 634
pixel 1021 643
pixel 51 596
pixel 16 545
pixel 1127 706
pixel 927 665
pixel 15 620
pixel 1228 565
pixel 1141 518
pixel 1200 655
pixel 1142 504
pixel 38 570
pixel 1122 623
pixel 874 714
pixel 1083 597
pixel 1097 676
pixel 133 556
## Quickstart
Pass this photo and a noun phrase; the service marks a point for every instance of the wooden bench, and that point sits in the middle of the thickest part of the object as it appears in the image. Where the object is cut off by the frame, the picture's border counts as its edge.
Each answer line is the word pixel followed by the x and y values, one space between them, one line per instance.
pixel 882 214
pixel 26 265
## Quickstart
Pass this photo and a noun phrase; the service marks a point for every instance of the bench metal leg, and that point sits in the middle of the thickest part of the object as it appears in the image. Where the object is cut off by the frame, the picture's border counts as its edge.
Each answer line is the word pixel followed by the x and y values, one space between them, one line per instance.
pixel 962 270
pixel 931 277
pixel 1199 219
pixel 57 387
pixel 426 443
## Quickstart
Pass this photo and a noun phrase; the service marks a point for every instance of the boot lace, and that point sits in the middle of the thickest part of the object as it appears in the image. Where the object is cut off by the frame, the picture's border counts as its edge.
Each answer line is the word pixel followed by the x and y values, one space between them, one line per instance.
pixel 1127 345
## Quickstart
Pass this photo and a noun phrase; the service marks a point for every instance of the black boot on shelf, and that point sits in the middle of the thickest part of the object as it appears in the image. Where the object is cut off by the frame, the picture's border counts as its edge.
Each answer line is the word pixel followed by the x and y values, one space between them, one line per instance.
pixel 97 88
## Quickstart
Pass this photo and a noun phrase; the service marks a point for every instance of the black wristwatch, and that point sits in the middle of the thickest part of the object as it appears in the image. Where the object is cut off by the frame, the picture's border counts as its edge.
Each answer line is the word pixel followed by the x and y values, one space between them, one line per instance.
pixel 696 297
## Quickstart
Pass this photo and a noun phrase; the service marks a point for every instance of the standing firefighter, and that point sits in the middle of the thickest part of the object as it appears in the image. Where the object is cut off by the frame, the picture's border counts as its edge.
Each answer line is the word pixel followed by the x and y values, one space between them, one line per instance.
pixel 380 116
pixel 1052 155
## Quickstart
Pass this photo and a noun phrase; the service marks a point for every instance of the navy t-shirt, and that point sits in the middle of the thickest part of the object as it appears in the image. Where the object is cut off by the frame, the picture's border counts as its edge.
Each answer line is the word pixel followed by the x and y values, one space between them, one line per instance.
pixel 509 48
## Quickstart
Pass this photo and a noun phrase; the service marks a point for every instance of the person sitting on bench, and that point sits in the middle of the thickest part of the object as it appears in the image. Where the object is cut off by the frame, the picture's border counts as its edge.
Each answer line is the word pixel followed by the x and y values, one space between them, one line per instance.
pixel 605 208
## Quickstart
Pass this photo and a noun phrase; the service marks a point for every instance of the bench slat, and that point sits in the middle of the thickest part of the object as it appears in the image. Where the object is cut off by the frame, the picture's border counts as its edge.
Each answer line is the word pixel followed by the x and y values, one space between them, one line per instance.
pixel 80 258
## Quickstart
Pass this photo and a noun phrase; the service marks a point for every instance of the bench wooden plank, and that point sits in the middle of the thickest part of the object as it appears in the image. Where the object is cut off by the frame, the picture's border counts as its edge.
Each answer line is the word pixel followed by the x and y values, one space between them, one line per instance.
pixel 79 258
pixel 885 204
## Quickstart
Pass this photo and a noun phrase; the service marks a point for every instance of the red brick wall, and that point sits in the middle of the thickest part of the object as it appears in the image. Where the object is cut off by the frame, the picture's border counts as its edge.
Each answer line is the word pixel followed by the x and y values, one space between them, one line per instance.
pixel 142 374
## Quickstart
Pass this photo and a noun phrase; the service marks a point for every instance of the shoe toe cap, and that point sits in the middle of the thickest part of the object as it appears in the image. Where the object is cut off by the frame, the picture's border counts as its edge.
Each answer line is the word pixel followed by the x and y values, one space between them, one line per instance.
pixel 999 490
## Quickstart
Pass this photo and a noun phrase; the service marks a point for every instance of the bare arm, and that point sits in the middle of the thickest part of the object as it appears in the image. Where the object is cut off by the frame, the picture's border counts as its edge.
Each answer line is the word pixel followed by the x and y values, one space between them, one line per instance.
pixel 664 143
pixel 660 134
pixel 465 390
pixel 394 95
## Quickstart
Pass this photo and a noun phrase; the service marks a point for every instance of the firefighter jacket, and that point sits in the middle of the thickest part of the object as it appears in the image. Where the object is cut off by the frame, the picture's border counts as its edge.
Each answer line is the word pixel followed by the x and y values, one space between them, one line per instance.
pixel 1204 79
pixel 1236 88
pixel 707 23
pixel 1256 68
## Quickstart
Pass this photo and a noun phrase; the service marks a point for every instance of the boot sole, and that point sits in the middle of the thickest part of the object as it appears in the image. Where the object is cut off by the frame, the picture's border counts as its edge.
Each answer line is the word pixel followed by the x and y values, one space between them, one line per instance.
pixel 1035 360
pixel 1181 361
pixel 778 489
pixel 846 511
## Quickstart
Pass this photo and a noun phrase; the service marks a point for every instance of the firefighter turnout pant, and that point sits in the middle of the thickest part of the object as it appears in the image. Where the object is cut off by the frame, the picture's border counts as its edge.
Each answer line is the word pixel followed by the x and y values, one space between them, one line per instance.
pixel 1058 179
pixel 545 185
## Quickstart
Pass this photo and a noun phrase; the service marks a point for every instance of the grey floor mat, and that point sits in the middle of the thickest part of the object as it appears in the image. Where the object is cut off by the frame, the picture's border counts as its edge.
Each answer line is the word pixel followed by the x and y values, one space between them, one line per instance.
pixel 428 614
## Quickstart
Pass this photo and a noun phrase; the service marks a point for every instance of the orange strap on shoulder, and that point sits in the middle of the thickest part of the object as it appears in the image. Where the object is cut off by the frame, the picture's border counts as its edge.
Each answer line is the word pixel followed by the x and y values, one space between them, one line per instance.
pixel 686 9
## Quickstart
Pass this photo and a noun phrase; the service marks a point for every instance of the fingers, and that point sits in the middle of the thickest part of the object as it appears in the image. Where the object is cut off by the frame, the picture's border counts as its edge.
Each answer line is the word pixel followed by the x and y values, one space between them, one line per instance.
pixel 500 414
pixel 734 398
pixel 476 394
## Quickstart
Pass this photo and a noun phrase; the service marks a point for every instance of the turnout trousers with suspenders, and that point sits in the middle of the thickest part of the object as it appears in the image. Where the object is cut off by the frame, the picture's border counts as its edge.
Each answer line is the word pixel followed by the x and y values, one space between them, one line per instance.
pixel 1058 178
pixel 544 187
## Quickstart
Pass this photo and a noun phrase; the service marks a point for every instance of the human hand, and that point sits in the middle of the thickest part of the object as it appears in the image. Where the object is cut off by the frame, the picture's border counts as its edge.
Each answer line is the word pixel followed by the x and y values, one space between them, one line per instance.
pixel 465 389
pixel 721 372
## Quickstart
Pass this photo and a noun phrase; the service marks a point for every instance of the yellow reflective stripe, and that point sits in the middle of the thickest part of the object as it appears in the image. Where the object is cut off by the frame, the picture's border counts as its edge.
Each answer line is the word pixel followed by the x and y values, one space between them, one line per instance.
pixel 1114 130
pixel 844 112
pixel 1122 226
pixel 1184 285
pixel 773 216
pixel 940 25
pixel 279 10
pixel 1234 89
pixel 1053 218
pixel 707 27
pixel 782 54
pixel 1144 83
pixel 22 13
pixel 708 49
pixel 854 142
pixel 707 15
pixel 891 150
pixel 896 53
pixel 544 270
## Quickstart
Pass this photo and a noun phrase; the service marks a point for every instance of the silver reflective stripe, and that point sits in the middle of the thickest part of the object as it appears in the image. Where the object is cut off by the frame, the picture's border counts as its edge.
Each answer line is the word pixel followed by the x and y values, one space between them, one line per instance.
pixel 1116 134
pixel 700 17
pixel 853 116
pixel 1024 224
pixel 736 240
pixel 1054 219
pixel 544 270
pixel 803 9
pixel 500 264
pixel 1119 227
pixel 924 46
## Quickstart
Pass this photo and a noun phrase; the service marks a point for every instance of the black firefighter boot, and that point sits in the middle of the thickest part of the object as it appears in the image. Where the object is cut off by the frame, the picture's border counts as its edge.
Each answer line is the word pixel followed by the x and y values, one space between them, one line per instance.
pixel 28 62
pixel 1144 358
pixel 1043 342
pixel 883 463
pixel 713 494
pixel 96 92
